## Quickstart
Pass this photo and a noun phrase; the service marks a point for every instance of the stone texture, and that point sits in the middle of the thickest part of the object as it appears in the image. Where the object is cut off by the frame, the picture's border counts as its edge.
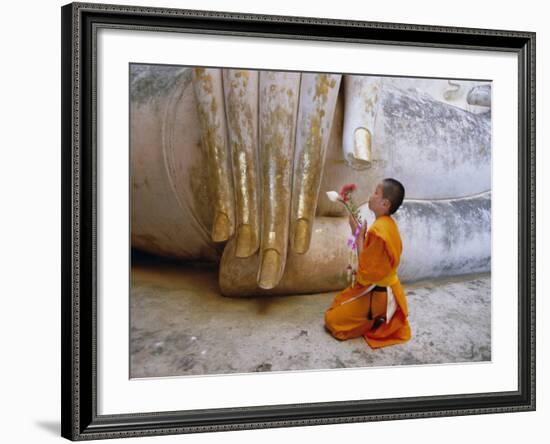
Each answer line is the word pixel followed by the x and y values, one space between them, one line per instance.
pixel 181 325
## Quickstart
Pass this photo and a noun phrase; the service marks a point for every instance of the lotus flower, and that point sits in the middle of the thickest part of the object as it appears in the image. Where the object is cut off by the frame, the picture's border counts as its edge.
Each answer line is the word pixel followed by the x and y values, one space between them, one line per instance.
pixel 344 196
pixel 333 196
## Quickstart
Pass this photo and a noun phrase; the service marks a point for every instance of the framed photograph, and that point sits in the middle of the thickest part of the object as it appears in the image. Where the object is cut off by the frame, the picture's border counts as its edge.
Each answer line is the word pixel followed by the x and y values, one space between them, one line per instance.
pixel 274 221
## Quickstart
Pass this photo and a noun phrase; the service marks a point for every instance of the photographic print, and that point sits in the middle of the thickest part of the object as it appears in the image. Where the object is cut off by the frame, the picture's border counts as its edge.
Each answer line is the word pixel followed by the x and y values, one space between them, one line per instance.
pixel 293 221
pixel 260 213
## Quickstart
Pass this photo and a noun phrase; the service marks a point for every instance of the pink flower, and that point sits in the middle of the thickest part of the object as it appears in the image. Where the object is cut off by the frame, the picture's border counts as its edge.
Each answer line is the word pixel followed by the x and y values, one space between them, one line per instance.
pixel 347 190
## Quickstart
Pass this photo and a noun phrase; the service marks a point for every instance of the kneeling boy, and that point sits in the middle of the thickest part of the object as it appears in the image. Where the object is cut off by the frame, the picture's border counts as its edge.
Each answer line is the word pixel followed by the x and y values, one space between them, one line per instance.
pixel 375 307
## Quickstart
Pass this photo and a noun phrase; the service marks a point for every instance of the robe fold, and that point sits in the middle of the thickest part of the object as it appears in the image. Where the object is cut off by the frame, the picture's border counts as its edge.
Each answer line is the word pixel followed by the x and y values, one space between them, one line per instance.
pixel 347 317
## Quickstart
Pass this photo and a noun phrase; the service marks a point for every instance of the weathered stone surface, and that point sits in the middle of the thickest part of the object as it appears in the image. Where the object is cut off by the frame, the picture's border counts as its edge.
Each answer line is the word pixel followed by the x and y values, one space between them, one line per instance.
pixel 436 149
pixel 181 325
pixel 440 238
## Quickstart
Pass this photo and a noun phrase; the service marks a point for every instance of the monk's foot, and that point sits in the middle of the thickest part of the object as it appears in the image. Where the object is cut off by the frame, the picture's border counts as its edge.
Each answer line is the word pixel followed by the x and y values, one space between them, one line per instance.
pixel 378 322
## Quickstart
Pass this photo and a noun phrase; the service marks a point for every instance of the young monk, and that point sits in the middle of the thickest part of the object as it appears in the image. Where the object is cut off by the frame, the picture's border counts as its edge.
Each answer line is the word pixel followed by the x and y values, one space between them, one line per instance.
pixel 375 307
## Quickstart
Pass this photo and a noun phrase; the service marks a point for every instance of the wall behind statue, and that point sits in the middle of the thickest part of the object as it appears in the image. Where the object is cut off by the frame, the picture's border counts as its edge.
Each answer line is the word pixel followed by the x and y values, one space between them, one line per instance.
pixel 30 184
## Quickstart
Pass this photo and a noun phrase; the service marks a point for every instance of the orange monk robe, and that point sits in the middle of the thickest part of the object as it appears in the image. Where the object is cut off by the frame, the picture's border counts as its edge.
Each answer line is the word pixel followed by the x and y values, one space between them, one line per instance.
pixel 347 316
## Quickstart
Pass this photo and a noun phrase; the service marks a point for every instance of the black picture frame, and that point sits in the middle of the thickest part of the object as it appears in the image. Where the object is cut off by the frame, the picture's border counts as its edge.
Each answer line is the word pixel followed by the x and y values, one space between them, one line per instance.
pixel 80 420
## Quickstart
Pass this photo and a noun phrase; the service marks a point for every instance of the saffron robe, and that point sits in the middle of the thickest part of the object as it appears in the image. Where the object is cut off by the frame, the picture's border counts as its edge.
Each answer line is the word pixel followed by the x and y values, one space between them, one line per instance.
pixel 347 316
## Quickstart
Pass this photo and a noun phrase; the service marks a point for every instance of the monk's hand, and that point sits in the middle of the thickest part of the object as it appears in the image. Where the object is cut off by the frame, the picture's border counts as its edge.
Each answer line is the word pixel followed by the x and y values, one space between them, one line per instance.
pixel 273 125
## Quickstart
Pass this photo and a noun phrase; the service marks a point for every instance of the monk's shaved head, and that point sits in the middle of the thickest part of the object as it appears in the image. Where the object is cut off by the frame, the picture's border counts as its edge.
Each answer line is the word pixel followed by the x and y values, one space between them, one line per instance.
pixel 394 191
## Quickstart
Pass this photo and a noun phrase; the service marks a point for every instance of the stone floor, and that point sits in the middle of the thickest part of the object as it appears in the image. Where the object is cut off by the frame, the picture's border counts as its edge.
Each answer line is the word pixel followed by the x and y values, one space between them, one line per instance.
pixel 181 325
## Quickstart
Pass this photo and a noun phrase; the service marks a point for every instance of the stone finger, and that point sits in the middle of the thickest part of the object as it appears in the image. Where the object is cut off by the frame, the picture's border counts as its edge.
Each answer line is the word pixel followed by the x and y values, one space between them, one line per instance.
pixel 318 94
pixel 210 104
pixel 278 109
pixel 241 102
pixel 361 107
pixel 321 269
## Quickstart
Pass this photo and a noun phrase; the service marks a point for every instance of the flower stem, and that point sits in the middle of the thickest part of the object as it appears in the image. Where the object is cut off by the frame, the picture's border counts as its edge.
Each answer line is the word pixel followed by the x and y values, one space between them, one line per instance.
pixel 350 212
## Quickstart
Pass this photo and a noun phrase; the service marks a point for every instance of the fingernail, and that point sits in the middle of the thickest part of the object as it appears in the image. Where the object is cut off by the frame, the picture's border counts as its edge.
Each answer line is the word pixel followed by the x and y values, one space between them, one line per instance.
pixel 244 241
pixel 220 229
pixel 362 146
pixel 301 236
pixel 270 269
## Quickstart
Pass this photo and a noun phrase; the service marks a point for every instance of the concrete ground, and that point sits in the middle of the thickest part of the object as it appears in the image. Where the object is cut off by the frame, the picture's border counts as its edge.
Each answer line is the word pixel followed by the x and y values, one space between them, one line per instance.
pixel 181 325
